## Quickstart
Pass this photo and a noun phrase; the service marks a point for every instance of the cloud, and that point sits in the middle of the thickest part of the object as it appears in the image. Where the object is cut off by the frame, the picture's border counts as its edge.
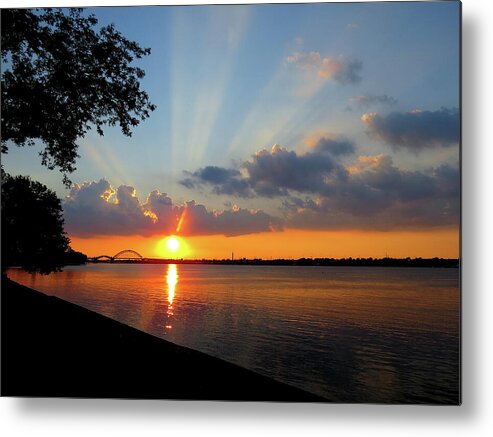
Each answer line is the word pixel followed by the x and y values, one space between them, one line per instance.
pixel 270 173
pixel 371 193
pixel 218 174
pixel 96 208
pixel 225 181
pixel 319 215
pixel 415 130
pixel 379 196
pixel 339 69
pixel 273 172
pixel 365 101
pixel 337 147
pixel 232 222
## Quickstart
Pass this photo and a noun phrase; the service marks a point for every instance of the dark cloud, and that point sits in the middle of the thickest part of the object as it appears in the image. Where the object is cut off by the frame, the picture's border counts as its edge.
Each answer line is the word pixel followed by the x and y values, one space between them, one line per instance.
pixel 272 173
pixel 223 180
pixel 336 147
pixel 340 69
pixel 188 182
pixel 379 196
pixel 371 99
pixel 373 193
pixel 415 130
pixel 350 72
pixel 396 216
pixel 217 175
pixel 448 180
pixel 375 183
pixel 95 208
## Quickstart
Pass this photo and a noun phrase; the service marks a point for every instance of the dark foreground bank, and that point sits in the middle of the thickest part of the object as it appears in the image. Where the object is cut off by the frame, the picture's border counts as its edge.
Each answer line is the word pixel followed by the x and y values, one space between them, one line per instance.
pixel 52 348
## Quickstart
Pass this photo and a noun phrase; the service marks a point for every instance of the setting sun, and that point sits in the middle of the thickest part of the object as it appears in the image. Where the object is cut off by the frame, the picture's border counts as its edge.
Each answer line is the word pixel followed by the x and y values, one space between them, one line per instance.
pixel 172 244
pixel 172 247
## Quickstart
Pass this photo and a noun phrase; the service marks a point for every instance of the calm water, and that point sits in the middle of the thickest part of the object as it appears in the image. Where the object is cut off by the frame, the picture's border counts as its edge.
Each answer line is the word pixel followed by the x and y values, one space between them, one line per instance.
pixel 350 334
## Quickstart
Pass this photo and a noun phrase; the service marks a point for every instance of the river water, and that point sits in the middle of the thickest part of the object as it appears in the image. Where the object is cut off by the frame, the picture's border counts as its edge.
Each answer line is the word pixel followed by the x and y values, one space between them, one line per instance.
pixel 349 334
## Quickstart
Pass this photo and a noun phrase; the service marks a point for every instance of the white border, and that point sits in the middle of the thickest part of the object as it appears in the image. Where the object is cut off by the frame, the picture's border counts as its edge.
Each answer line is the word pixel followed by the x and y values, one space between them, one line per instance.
pixel 59 417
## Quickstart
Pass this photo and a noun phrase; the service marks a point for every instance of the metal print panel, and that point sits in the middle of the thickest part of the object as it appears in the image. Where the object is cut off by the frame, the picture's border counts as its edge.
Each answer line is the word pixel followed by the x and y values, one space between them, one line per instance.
pixel 240 202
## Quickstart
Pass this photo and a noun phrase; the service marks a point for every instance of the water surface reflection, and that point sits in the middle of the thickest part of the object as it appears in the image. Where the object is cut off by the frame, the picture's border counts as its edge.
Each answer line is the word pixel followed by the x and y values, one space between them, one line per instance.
pixel 350 334
pixel 171 281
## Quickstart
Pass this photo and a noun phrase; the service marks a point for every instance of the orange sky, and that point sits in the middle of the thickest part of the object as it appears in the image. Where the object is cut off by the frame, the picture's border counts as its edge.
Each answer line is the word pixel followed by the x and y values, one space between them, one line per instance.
pixel 442 243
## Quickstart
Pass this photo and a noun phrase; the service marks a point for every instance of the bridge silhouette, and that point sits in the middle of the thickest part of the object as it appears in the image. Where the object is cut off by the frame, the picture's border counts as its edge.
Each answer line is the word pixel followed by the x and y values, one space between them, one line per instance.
pixel 127 255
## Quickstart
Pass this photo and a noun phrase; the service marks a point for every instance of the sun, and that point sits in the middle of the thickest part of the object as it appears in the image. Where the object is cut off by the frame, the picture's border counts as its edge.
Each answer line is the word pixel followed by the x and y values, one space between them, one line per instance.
pixel 173 244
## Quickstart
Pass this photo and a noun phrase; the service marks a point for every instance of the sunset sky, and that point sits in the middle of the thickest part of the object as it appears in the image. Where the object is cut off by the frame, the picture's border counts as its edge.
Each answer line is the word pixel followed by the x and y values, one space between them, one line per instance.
pixel 317 130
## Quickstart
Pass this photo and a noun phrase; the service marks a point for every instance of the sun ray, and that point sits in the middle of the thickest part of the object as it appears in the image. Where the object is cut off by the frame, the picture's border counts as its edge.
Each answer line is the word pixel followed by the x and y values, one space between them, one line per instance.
pixel 199 85
pixel 210 97
pixel 181 220
pixel 271 115
pixel 105 159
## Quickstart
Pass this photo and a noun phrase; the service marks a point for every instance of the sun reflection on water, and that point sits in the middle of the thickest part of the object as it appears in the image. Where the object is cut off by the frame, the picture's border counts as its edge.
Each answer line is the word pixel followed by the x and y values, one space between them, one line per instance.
pixel 171 280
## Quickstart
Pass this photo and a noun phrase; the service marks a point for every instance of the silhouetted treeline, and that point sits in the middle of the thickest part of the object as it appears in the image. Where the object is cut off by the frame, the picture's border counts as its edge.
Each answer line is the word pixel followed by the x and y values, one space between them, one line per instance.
pixel 361 262
pixel 371 262
pixel 32 227
pixel 71 257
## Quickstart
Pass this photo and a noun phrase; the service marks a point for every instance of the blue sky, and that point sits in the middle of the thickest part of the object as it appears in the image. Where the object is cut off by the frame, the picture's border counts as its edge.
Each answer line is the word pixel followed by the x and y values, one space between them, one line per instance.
pixel 229 81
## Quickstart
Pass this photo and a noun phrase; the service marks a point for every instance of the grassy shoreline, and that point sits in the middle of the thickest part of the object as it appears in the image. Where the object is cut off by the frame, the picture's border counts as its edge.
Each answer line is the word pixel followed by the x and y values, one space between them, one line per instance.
pixel 53 348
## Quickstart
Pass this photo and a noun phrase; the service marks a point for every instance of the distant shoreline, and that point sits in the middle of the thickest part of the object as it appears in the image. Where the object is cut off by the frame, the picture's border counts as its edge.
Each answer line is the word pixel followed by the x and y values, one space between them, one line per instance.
pixel 324 262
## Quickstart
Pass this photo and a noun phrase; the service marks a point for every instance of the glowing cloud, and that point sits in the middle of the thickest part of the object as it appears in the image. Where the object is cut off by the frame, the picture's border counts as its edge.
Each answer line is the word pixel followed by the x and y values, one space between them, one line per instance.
pixel 96 208
pixel 339 69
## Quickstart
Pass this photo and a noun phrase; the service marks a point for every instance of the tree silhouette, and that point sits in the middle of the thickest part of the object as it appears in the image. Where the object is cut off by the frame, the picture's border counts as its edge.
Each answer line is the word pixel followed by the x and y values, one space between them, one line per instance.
pixel 32 226
pixel 61 76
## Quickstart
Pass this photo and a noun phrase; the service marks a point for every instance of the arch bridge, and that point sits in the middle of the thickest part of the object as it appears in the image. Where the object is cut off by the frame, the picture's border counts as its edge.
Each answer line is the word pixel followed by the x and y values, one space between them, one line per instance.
pixel 127 255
